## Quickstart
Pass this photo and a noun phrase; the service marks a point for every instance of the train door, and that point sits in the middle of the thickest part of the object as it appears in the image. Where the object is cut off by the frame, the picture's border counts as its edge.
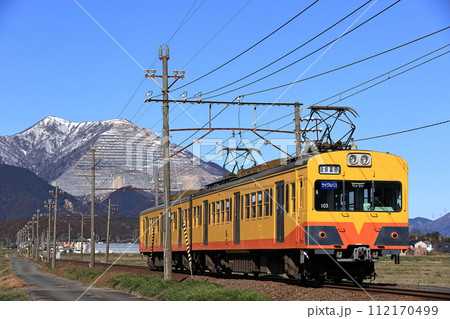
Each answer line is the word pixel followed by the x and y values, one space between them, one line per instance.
pixel 161 230
pixel 237 219
pixel 205 222
pixel 180 226
pixel 280 212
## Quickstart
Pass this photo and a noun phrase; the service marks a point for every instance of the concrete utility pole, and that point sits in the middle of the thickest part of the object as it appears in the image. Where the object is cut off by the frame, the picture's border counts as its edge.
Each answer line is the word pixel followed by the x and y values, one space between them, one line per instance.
pixel 55 194
pixel 298 141
pixel 107 231
pixel 166 156
pixel 82 239
pixel 49 204
pixel 69 238
pixel 38 211
pixel 157 187
pixel 92 262
pixel 33 242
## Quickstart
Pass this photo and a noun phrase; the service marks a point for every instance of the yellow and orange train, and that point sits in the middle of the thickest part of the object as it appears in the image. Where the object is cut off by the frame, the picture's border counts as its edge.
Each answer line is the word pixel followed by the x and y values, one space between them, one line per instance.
pixel 326 216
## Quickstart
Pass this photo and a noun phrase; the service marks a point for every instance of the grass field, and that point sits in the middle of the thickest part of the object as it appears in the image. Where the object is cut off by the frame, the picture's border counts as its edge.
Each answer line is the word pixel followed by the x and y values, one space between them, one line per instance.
pixel 11 287
pixel 155 287
pixel 413 270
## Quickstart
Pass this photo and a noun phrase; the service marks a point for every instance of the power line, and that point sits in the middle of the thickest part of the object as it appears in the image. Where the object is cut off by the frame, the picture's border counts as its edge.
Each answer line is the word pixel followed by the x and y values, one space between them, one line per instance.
pixel 185 19
pixel 347 65
pixel 292 51
pixel 217 33
pixel 180 26
pixel 401 132
pixel 384 74
pixel 390 77
pixel 109 35
pixel 248 49
pixel 377 77
pixel 308 55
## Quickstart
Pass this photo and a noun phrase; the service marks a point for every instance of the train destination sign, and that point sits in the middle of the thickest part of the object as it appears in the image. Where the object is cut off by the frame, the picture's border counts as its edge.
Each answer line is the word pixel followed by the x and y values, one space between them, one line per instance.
pixel 328 185
pixel 330 169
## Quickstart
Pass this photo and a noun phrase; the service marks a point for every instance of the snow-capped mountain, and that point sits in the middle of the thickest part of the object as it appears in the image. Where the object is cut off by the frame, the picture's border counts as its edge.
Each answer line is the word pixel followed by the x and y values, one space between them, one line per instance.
pixel 59 152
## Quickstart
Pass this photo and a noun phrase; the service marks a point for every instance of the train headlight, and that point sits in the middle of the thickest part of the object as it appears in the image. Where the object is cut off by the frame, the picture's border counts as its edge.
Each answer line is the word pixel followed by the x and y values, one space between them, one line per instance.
pixel 352 159
pixel 359 159
pixel 365 160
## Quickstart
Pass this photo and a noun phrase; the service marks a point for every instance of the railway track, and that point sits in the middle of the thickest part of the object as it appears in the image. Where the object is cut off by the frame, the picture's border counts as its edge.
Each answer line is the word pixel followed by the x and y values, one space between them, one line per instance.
pixel 430 294
pixel 404 291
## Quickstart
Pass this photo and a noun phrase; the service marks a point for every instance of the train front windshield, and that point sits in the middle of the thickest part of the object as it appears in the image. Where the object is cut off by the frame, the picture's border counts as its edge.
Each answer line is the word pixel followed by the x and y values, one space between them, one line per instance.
pixel 360 196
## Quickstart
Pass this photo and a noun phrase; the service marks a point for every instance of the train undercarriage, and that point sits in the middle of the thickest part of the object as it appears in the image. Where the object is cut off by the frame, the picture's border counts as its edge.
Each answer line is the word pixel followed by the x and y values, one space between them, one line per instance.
pixel 354 263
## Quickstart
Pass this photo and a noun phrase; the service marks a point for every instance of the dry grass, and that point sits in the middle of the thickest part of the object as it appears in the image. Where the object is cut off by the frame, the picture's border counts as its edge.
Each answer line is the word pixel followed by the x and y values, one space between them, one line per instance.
pixel 415 271
pixel 125 259
pixel 11 287
pixel 433 270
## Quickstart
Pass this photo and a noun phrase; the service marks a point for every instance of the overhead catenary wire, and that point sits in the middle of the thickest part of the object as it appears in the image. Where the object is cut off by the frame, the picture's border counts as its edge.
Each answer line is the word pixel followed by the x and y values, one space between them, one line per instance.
pixel 198 52
pixel 365 82
pixel 309 54
pixel 248 49
pixel 290 52
pixel 390 76
pixel 349 64
pixel 380 82
pixel 109 35
pixel 402 132
pixel 216 34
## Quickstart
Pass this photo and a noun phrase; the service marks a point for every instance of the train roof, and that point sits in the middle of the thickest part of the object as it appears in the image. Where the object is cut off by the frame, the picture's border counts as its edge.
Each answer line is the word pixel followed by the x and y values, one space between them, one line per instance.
pixel 269 168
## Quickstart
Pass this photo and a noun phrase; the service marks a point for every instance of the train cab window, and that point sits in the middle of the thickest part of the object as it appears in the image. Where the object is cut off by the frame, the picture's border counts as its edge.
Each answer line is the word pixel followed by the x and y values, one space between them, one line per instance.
pixel 360 196
pixel 260 204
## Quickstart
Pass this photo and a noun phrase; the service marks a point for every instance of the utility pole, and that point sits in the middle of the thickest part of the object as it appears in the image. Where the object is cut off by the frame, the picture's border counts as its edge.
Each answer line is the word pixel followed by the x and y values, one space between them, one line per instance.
pixel 93 164
pixel 33 242
pixel 69 239
pixel 298 142
pixel 38 211
pixel 82 239
pixel 49 204
pixel 55 194
pixel 92 181
pixel 166 156
pixel 107 231
pixel 157 186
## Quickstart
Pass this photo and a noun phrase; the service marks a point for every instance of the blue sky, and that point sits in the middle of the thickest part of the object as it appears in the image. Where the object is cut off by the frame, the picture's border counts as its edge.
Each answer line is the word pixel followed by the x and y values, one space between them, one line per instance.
pixel 55 60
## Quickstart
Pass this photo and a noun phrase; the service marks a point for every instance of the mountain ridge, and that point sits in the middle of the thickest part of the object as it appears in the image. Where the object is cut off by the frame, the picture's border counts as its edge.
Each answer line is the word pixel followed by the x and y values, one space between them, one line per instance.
pixel 56 150
pixel 425 225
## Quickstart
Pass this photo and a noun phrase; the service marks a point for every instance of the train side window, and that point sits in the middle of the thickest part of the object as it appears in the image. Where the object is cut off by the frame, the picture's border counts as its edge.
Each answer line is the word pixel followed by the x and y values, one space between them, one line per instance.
pixel 199 215
pixel 301 194
pixel 222 210
pixel 253 205
pixel 194 220
pixel 260 204
pixel 247 206
pixel 287 199
pixel 293 196
pixel 266 202
pixel 187 218
pixel 213 214
pixel 228 209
